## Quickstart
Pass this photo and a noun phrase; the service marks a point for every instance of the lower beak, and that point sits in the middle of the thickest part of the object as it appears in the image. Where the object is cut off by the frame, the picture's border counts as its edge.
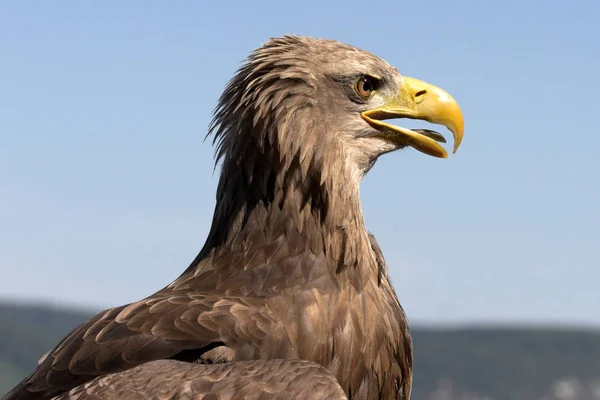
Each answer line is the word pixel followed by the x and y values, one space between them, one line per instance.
pixel 419 100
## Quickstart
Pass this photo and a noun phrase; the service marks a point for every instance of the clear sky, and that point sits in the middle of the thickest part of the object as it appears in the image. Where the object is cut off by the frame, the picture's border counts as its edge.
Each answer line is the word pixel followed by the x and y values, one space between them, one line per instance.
pixel 107 187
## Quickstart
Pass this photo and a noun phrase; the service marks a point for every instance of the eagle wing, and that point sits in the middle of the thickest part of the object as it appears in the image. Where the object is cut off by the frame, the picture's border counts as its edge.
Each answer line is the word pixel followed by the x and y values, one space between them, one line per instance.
pixel 169 379
pixel 160 327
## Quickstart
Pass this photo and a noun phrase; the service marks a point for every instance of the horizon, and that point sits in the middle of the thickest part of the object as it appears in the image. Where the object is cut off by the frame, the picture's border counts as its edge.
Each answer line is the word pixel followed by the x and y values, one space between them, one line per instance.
pixel 433 325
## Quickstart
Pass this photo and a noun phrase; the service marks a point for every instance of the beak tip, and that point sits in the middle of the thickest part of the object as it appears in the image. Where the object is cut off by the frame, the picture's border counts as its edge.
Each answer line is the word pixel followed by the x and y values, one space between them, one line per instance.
pixel 457 130
pixel 456 145
pixel 457 142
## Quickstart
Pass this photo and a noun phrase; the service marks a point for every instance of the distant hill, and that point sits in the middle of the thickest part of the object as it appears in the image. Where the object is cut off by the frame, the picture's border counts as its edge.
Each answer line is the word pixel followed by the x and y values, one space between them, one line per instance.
pixel 450 364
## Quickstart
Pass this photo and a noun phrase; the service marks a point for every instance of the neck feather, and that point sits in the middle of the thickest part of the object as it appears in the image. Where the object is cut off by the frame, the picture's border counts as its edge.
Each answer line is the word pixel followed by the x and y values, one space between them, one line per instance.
pixel 320 213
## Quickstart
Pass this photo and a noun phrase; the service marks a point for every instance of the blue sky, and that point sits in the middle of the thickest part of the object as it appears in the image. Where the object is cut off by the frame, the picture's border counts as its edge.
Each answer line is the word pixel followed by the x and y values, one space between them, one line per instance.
pixel 107 187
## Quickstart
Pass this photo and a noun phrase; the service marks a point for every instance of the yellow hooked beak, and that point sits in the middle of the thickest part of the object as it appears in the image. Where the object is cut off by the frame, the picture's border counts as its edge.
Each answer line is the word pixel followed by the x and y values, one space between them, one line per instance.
pixel 419 100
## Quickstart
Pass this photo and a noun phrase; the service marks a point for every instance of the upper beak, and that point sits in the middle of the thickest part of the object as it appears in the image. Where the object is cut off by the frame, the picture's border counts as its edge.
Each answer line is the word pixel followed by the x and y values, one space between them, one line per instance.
pixel 419 100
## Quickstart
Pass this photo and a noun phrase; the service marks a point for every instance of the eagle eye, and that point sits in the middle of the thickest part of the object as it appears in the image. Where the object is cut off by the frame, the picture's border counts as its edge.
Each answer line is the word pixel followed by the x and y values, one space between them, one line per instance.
pixel 365 86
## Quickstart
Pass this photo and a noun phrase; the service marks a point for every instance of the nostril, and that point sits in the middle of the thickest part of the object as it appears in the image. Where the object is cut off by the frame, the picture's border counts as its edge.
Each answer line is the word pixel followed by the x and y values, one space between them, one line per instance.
pixel 421 93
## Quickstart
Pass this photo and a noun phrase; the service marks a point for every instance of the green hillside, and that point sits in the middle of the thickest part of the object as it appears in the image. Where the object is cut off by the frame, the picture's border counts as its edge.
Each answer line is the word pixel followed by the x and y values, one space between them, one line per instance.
pixel 450 364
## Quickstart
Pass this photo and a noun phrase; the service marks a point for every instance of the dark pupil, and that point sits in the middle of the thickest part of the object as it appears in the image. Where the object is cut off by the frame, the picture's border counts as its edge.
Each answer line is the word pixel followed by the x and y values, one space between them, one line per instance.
pixel 367 85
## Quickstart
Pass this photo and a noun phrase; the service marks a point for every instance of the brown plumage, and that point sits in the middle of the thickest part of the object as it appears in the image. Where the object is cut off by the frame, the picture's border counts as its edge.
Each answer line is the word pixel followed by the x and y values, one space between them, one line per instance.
pixel 240 380
pixel 288 271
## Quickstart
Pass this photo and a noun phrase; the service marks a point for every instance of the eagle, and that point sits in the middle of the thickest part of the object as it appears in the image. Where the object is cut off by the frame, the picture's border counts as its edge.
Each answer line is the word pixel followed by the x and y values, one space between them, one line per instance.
pixel 290 295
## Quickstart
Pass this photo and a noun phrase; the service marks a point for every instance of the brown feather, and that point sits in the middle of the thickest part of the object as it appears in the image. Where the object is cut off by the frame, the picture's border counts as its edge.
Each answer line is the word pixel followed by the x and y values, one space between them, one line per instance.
pixel 265 380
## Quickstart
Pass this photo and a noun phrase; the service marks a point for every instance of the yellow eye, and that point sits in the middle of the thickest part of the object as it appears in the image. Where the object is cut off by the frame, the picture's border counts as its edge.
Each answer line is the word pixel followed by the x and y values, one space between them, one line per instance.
pixel 365 86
